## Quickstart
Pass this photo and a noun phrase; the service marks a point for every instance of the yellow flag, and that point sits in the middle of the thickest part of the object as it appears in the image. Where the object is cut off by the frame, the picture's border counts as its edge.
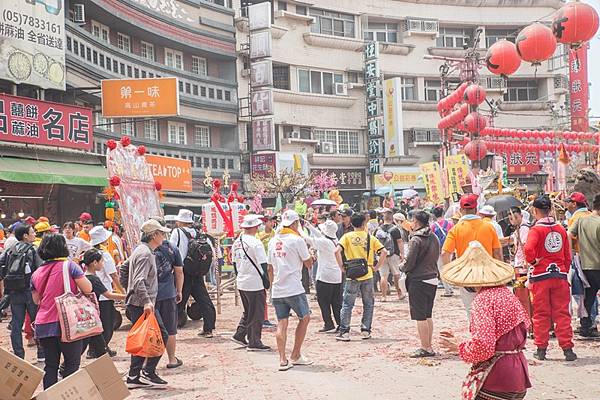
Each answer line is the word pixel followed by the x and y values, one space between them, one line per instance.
pixel 297 163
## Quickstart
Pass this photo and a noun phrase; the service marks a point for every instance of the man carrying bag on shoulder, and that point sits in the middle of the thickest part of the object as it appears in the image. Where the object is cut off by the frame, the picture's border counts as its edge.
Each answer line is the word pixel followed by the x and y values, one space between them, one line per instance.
pixel 358 251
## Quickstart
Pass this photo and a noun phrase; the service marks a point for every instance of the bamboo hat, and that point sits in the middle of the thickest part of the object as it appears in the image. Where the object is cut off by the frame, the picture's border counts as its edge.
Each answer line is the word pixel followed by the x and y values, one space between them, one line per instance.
pixel 476 268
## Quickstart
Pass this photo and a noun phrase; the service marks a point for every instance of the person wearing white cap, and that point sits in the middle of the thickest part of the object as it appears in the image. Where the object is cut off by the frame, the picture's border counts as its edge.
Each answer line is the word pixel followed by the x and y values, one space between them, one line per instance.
pixel 142 291
pixel 390 236
pixel 329 273
pixel 99 237
pixel 488 213
pixel 250 263
pixel 287 254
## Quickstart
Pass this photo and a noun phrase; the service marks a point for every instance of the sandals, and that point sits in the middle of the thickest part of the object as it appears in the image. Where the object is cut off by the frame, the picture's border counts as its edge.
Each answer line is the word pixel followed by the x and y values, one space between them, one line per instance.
pixel 179 363
pixel 302 361
pixel 421 353
pixel 285 366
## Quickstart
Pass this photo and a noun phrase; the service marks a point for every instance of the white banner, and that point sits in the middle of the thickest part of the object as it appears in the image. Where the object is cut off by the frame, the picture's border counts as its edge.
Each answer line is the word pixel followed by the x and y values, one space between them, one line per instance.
pixel 392 115
pixel 32 42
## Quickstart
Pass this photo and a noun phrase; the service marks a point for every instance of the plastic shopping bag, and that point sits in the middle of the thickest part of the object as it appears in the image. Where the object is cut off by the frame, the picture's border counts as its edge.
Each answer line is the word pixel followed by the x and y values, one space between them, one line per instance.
pixel 144 339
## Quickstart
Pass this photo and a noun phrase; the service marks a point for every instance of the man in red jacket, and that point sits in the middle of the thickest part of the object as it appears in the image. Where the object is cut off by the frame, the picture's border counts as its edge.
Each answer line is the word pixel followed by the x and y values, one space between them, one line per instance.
pixel 547 251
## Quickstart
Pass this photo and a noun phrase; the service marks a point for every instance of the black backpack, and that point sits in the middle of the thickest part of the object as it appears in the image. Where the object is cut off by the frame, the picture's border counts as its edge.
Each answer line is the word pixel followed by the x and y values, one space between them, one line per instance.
pixel 199 256
pixel 13 272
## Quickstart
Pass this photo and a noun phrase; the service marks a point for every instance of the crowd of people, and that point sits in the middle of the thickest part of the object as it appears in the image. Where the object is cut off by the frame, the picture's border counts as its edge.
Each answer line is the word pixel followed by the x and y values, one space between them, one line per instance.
pixel 343 254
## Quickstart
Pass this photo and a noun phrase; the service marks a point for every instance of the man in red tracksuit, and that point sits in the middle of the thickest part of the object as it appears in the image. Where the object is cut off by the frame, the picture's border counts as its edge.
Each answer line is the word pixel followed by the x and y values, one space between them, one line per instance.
pixel 547 250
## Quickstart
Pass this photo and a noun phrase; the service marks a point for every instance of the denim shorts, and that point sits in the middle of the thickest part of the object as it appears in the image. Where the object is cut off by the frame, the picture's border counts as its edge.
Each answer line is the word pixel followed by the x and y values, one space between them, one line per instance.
pixel 297 303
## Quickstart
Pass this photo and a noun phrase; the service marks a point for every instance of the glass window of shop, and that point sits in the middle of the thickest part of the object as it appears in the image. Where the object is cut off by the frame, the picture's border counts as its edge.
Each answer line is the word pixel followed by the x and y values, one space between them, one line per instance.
pixel 381 32
pixel 177 134
pixel 318 82
pixel 332 23
pixel 201 136
pixel 408 88
pixel 101 31
pixel 342 141
pixel 147 51
pixel 173 58
pixel 151 130
pixel 454 37
pixel 433 90
pixel 521 90
pixel 124 42
pixel 199 66
pixel 494 35
pixel 127 127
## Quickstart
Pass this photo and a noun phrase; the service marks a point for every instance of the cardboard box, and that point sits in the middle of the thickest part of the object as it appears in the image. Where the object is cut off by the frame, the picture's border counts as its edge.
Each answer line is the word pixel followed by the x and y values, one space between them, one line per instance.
pixel 18 378
pixel 99 380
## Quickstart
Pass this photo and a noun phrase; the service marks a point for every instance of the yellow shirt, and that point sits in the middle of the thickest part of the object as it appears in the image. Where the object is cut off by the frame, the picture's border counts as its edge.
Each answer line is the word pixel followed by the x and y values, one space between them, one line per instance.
pixel 84 235
pixel 468 230
pixel 582 212
pixel 355 246
pixel 265 238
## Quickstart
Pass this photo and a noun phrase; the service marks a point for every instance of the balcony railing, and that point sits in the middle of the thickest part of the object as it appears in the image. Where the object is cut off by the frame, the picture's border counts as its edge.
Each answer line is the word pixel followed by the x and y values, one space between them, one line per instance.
pixel 115 63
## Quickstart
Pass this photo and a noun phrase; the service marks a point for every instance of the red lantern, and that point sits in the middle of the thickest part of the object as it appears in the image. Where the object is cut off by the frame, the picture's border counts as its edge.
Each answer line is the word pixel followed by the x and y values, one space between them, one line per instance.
pixel 502 58
pixel 536 43
pixel 475 122
pixel 476 150
pixel 125 141
pixel 158 186
pixel 513 133
pixel 114 181
pixel 111 144
pixel 464 110
pixel 141 150
pixel 575 23
pixel 474 95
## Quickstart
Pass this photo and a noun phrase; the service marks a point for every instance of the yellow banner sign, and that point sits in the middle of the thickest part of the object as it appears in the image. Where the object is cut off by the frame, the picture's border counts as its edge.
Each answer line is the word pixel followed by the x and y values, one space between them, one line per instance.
pixel 432 176
pixel 398 180
pixel 458 169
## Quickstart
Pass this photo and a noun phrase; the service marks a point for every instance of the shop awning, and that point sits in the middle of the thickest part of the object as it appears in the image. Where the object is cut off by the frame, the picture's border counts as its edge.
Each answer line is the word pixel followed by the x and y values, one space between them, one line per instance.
pixel 177 201
pixel 26 170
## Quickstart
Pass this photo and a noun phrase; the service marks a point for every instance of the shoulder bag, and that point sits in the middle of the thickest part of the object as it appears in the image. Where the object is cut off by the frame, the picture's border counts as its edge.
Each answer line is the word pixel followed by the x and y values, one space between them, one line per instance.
pixel 78 314
pixel 358 267
pixel 264 276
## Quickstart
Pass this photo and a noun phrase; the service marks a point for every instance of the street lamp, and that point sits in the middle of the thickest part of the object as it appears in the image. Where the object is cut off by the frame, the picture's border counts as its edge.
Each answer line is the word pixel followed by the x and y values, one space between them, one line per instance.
pixel 540 178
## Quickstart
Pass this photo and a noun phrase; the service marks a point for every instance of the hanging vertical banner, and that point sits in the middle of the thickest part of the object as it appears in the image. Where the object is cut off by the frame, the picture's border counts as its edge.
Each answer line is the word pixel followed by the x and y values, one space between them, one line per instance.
pixel 578 78
pixel 263 134
pixel 392 115
pixel 432 177
pixel 458 170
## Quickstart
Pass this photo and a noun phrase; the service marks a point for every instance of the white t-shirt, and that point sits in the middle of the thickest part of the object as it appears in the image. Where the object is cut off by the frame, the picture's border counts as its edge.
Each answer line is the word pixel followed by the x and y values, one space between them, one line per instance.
pixel 328 270
pixel 77 246
pixel 248 278
pixel 286 254
pixel 104 274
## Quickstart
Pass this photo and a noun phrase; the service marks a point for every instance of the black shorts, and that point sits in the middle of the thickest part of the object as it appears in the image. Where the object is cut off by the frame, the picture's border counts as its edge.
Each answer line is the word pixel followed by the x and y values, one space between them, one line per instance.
pixel 420 299
pixel 168 311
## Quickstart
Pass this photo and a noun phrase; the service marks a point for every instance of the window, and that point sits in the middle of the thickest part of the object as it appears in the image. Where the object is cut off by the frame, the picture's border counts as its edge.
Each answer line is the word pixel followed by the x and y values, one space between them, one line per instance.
pixel 124 42
pixel 104 123
pixel 332 23
pixel 281 76
pixel 230 163
pixel 302 10
pixel 521 90
pixel 173 58
pixel 176 133
pixel 127 127
pixel 199 66
pixel 382 32
pixel 493 35
pixel 222 163
pixel 147 50
pixel 100 31
pixel 343 142
pixel 433 90
pixel 408 89
pixel 151 130
pixel 318 82
pixel 214 163
pixel 282 5
pixel 454 37
pixel 201 136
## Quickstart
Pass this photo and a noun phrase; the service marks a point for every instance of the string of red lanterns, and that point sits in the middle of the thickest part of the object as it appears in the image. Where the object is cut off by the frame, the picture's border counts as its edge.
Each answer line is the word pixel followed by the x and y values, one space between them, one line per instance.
pixel 501 147
pixel 539 134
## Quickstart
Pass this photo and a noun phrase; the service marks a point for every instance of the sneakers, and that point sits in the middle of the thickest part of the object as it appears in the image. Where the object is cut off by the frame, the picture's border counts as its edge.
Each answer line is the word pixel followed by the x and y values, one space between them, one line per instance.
pixel 206 334
pixel 138 382
pixel 569 355
pixel 241 342
pixel 111 352
pixel 268 324
pixel 41 360
pixel 365 335
pixel 153 378
pixel 540 354
pixel 589 334
pixel 261 347
pixel 327 329
pixel 343 337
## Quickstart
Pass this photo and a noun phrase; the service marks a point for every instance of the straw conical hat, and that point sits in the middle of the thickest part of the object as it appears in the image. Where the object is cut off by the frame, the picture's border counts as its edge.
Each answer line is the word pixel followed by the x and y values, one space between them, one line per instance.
pixel 476 268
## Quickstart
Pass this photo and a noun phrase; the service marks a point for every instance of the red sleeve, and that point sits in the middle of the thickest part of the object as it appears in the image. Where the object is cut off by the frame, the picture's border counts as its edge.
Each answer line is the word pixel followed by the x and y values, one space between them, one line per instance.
pixel 482 345
pixel 530 248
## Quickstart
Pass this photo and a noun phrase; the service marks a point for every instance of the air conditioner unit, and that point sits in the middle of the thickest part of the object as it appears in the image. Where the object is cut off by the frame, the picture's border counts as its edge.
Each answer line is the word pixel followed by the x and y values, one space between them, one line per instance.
pixel 294 135
pixel 326 147
pixel 79 13
pixel 495 83
pixel 341 89
pixel 430 26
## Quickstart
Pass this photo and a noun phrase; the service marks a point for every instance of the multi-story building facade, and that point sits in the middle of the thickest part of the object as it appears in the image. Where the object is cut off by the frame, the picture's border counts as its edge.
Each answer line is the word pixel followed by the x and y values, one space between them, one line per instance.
pixel 193 40
pixel 319 93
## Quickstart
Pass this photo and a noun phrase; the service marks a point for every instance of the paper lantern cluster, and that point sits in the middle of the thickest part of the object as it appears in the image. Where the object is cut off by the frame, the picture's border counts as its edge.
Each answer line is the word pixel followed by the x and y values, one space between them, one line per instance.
pixel 458 109
pixel 499 140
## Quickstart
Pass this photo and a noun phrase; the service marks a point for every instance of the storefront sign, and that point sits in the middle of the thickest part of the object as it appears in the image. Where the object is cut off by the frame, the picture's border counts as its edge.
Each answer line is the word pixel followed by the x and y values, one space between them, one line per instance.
pixel 399 178
pixel 458 170
pixel 392 113
pixel 578 79
pixel 262 103
pixel 375 165
pixel 432 178
pixel 346 178
pixel 32 38
pixel 174 174
pixel 259 16
pixel 521 162
pixel 151 97
pixel 26 120
pixel 263 134
pixel 260 45
pixel 261 73
pixel 262 164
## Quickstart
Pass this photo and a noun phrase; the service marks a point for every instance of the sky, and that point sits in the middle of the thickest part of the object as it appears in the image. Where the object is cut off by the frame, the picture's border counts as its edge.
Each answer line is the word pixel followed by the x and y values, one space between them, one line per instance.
pixel 594 69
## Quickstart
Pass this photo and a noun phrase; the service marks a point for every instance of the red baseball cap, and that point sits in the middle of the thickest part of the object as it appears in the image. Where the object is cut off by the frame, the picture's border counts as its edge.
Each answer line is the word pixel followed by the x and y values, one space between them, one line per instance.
pixel 578 197
pixel 85 217
pixel 468 201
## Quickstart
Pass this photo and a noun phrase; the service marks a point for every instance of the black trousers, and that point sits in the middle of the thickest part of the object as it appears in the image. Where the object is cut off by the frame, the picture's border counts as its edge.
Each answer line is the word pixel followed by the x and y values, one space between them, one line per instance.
pixel 134 313
pixel 254 313
pixel 97 345
pixel 306 280
pixel 107 316
pixel 329 297
pixel 53 348
pixel 195 286
pixel 593 277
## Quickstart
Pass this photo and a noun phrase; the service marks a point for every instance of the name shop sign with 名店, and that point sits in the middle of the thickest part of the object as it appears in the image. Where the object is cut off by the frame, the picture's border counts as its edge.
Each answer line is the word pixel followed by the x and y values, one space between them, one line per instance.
pixel 262 164
pixel 32 42
pixel 354 178
pixel 148 97
pixel 174 174
pixel 26 120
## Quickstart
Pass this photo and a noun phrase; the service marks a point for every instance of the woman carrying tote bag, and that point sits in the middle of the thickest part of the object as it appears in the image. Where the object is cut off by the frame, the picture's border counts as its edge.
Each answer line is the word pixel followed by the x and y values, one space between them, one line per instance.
pixel 47 285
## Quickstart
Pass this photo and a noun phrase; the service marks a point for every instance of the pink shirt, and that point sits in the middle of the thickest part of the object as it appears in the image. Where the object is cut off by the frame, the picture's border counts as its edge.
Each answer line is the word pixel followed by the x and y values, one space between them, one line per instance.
pixel 47 280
